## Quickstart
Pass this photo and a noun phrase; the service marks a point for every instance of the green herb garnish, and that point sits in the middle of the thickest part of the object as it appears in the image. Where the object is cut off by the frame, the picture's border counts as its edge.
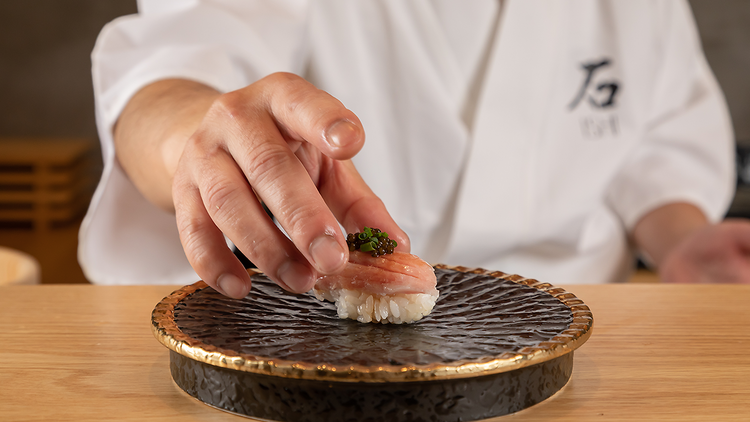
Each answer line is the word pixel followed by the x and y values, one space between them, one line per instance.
pixel 371 240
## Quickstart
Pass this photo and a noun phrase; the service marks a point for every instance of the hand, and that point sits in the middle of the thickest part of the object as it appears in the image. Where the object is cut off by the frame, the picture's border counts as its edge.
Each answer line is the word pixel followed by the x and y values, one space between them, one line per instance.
pixel 717 253
pixel 281 141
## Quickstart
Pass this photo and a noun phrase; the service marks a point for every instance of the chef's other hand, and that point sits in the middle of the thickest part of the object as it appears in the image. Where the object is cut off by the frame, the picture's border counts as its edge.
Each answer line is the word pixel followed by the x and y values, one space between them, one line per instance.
pixel 686 248
pixel 212 158
pixel 718 253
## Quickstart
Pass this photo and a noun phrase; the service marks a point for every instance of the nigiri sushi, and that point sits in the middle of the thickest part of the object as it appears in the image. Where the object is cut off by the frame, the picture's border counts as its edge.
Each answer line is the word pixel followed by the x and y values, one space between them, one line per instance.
pixel 380 285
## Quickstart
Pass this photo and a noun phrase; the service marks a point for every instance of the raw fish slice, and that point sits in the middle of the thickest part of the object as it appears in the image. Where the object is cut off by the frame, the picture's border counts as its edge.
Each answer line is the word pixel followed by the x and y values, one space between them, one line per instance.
pixel 395 288
pixel 396 273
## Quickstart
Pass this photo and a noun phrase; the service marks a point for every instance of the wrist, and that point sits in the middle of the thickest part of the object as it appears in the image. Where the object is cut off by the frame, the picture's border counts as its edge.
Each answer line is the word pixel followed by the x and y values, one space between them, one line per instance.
pixel 663 229
pixel 152 132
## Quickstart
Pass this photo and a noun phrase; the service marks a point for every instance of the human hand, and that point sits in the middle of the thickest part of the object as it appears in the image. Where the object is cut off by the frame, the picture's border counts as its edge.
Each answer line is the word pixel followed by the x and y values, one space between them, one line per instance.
pixel 718 253
pixel 286 143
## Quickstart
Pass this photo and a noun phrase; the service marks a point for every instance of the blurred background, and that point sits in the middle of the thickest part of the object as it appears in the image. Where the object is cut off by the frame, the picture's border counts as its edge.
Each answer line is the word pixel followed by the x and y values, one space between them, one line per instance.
pixel 49 151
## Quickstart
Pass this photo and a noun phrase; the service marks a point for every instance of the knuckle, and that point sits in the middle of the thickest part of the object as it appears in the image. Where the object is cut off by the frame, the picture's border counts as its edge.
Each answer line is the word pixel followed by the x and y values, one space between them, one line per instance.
pixel 193 236
pixel 230 105
pixel 256 247
pixel 204 150
pixel 220 198
pixel 201 166
pixel 282 85
pixel 281 78
pixel 267 162
pixel 180 183
pixel 297 94
pixel 297 219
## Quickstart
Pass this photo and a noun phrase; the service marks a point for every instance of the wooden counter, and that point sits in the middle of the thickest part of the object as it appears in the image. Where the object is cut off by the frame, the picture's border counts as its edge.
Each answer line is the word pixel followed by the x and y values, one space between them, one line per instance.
pixel 657 353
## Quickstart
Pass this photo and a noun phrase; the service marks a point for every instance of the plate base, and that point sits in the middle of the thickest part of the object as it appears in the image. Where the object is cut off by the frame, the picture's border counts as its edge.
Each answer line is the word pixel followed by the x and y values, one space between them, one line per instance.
pixel 285 400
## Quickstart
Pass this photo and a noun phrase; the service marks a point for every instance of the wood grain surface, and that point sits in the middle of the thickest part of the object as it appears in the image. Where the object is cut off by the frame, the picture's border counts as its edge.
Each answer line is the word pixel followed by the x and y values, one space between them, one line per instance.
pixel 657 353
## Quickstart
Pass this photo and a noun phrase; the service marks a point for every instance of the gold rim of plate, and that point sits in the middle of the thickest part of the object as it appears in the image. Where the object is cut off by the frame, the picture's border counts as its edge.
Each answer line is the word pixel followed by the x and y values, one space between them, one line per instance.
pixel 169 334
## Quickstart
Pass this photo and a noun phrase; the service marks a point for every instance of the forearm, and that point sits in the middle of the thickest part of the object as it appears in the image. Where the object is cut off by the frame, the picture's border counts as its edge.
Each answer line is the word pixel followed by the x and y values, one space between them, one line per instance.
pixel 661 230
pixel 152 130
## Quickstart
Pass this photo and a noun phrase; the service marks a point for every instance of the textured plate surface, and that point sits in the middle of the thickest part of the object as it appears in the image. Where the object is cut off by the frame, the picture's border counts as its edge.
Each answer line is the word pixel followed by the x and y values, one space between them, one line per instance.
pixel 483 323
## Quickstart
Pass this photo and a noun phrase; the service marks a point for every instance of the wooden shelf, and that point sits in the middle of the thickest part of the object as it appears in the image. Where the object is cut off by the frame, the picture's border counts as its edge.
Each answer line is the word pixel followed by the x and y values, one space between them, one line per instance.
pixel 46 182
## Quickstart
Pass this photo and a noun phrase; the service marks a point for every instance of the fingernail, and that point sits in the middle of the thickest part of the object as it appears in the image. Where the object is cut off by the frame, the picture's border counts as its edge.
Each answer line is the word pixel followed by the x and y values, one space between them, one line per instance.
pixel 296 276
pixel 327 254
pixel 232 286
pixel 341 133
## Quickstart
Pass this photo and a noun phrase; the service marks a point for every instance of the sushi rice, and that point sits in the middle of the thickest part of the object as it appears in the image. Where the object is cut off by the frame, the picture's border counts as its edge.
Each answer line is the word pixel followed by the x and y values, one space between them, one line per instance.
pixel 366 307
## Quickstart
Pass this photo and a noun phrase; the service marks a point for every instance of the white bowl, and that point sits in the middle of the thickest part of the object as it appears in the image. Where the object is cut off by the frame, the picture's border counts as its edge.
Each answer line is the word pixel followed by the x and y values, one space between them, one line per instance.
pixel 18 267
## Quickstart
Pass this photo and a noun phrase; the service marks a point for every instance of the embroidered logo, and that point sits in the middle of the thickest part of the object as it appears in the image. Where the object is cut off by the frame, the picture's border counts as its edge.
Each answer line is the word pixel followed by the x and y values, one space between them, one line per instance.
pixel 600 94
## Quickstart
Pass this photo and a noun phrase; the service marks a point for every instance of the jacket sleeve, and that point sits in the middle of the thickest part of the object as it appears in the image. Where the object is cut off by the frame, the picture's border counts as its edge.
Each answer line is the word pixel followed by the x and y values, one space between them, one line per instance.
pixel 226 44
pixel 687 151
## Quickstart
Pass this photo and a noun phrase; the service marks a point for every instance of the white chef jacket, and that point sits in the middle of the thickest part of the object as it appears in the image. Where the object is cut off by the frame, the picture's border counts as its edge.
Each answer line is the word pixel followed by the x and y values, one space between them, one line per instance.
pixel 531 147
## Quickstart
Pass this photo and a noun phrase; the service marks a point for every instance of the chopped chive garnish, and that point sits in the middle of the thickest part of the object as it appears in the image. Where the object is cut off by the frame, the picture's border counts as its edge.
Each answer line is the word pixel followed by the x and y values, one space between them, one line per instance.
pixel 371 240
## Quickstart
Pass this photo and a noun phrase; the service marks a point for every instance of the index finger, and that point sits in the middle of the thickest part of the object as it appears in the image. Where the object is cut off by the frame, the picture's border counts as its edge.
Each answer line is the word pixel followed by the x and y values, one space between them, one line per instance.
pixel 305 113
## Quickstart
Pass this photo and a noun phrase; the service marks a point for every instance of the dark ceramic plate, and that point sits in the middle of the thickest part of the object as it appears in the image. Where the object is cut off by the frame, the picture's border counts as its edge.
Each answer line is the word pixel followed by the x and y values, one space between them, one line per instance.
pixel 493 344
